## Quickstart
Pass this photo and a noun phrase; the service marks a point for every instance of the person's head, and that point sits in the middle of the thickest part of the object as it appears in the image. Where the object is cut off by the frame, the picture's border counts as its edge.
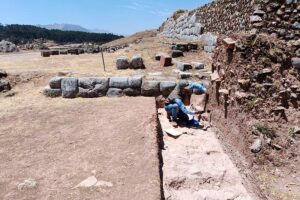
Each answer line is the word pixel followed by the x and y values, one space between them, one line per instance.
pixel 183 86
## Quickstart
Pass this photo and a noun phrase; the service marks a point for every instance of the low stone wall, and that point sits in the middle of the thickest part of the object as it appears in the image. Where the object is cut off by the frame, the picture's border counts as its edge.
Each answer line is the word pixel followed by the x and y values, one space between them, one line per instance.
pixel 92 87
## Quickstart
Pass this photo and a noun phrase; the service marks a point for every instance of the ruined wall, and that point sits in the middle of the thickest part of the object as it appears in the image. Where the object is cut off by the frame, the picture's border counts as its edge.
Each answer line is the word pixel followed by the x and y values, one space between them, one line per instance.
pixel 281 17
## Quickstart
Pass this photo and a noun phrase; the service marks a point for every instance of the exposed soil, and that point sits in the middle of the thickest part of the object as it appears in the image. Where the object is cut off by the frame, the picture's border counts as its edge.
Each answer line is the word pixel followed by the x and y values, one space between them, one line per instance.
pixel 59 143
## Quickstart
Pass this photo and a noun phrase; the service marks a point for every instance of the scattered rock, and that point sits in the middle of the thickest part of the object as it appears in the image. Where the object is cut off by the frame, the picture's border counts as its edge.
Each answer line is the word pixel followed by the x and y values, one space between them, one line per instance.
pixel 27 184
pixel 69 87
pixel 89 182
pixel 137 62
pixel 198 65
pixel 256 146
pixel 183 66
pixel 176 54
pixel 165 61
pixel 4 85
pixel 122 63
pixel 184 75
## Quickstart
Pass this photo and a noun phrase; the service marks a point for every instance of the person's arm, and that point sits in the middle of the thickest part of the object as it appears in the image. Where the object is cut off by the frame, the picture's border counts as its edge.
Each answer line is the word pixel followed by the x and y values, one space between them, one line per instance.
pixel 183 108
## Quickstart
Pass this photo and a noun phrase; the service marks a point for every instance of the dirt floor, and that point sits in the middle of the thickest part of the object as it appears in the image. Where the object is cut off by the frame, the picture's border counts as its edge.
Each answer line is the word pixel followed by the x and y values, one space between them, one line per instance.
pixel 59 143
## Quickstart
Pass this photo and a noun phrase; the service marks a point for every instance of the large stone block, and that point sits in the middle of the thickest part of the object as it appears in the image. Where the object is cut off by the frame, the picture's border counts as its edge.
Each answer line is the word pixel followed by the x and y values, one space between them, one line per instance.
pixel 137 62
pixel 177 53
pixel 198 65
pixel 183 66
pixel 122 63
pixel 45 53
pixel 135 81
pixel 165 61
pixel 98 91
pixel 91 82
pixel 119 82
pixel 166 87
pixel 55 83
pixel 150 88
pixel 69 87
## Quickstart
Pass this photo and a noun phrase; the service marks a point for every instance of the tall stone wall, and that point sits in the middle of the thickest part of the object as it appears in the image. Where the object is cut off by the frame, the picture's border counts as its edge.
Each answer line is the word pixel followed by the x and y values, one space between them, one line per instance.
pixel 280 17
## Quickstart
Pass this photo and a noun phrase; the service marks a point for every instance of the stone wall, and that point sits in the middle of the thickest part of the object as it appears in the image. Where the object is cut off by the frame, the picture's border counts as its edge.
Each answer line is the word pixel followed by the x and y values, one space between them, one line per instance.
pixel 281 17
pixel 92 87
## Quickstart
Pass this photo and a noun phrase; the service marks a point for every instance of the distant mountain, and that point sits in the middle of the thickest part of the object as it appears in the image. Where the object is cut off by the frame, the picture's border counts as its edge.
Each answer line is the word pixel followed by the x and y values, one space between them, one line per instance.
pixel 72 27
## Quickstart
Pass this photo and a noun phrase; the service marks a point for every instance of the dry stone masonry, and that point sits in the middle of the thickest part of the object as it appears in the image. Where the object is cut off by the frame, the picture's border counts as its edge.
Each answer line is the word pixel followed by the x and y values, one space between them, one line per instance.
pixel 278 17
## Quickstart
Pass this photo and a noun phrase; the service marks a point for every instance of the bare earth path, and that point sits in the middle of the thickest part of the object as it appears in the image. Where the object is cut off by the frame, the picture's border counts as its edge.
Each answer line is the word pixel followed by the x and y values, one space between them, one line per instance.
pixel 196 167
pixel 59 143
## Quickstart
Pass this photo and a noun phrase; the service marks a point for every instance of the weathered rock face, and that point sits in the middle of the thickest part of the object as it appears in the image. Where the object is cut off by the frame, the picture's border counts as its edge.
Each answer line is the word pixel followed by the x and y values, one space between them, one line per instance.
pixel 137 62
pixel 122 63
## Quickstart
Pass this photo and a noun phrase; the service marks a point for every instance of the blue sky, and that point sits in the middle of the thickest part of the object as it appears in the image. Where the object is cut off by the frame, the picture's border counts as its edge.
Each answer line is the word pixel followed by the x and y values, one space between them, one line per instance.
pixel 118 16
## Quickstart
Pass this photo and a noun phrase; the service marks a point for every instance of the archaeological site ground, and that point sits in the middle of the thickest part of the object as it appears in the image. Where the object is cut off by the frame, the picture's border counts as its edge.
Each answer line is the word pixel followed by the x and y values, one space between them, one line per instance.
pixel 85 121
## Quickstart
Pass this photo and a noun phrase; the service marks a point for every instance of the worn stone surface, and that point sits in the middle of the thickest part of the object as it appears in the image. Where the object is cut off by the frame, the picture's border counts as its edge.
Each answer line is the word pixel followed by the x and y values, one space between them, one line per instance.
pixel 150 88
pixel 27 184
pixel 166 87
pixel 55 82
pixel 119 82
pixel 165 61
pixel 69 87
pixel 198 65
pixel 183 66
pixel 135 81
pixel 137 62
pixel 114 92
pixel 91 82
pixel 122 62
pixel 176 53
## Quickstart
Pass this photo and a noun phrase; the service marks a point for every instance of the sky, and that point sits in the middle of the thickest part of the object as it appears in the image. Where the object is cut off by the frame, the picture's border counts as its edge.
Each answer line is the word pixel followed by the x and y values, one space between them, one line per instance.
pixel 117 16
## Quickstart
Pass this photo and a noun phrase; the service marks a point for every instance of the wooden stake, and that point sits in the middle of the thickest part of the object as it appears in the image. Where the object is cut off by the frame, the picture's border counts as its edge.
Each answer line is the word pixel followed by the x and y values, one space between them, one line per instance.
pixel 103 59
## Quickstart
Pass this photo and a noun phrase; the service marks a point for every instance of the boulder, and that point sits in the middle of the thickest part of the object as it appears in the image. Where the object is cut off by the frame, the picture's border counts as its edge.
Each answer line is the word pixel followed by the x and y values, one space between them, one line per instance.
pixel 183 66
pixel 4 85
pixel 150 88
pixel 296 63
pixel 137 62
pixel 119 82
pixel 49 92
pixel 166 87
pixel 3 73
pixel 135 81
pixel 69 87
pixel 165 61
pixel 114 92
pixel 55 83
pixel 7 47
pixel 91 82
pixel 122 63
pixel 176 53
pixel 132 92
pixel 198 65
